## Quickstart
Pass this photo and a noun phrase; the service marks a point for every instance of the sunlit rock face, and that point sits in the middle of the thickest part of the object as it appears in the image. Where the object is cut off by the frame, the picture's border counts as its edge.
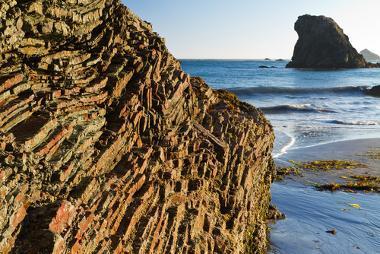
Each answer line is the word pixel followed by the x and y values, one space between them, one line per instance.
pixel 323 44
pixel 107 146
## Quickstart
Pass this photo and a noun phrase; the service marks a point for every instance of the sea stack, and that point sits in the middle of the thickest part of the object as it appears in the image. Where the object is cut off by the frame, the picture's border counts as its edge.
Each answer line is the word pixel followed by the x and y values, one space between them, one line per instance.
pixel 107 146
pixel 369 56
pixel 323 44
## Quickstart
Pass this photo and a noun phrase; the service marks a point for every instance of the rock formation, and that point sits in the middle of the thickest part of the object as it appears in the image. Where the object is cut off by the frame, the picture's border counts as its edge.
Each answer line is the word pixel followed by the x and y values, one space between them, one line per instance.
pixel 107 146
pixel 323 44
pixel 369 56
pixel 374 91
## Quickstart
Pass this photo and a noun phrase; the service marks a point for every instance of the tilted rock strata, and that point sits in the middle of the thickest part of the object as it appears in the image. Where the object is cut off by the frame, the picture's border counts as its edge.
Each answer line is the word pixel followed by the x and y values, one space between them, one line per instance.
pixel 107 146
pixel 323 44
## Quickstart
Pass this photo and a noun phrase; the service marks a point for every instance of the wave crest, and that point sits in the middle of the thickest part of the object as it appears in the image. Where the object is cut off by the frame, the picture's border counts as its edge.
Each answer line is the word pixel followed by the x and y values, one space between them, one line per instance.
pixel 296 90
pixel 359 122
pixel 295 108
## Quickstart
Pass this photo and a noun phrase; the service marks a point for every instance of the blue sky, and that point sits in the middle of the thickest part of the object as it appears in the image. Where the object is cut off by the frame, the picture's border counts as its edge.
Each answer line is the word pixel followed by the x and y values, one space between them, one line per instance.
pixel 252 29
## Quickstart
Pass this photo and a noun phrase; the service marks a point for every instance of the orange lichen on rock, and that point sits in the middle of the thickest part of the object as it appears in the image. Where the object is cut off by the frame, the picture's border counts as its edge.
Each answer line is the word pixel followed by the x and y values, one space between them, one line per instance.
pixel 65 214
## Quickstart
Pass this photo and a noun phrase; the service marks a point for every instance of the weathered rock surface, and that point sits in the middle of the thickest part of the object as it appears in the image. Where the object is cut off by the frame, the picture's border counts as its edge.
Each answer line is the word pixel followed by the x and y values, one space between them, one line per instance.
pixel 369 56
pixel 323 44
pixel 107 146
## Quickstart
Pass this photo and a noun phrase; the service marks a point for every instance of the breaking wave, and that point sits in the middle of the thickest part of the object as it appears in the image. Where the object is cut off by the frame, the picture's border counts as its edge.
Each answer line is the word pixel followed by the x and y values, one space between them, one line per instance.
pixel 295 108
pixel 244 91
pixel 360 123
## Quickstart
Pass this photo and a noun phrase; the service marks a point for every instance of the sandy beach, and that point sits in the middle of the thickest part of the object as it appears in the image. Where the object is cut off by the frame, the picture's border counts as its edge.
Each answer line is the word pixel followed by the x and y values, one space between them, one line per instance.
pixel 361 150
pixel 312 214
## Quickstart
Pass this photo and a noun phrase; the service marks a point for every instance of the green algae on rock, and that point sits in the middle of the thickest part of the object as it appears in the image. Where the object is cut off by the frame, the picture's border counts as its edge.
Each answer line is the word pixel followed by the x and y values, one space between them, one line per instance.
pixel 300 167
pixel 354 183
pixel 282 172
pixel 350 183
pixel 321 165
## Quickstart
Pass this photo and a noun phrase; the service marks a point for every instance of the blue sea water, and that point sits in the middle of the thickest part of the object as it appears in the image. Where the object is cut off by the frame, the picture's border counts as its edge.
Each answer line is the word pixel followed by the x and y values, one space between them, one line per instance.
pixel 306 107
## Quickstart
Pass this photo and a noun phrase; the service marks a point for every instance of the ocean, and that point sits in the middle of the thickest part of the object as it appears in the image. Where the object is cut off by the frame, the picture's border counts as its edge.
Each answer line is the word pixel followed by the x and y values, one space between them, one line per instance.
pixel 306 107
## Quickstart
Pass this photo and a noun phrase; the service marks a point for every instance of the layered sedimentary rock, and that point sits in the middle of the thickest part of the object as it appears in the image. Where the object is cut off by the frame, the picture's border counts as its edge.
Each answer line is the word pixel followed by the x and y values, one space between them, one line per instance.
pixel 107 146
pixel 323 44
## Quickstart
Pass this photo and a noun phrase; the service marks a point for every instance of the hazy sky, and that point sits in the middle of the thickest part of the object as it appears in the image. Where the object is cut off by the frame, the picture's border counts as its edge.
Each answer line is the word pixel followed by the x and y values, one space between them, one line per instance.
pixel 252 29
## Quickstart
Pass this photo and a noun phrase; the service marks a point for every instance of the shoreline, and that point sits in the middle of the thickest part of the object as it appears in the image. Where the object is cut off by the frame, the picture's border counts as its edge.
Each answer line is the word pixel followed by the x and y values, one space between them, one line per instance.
pixel 342 149
pixel 311 214
pixel 361 145
pixel 284 149
pixel 358 150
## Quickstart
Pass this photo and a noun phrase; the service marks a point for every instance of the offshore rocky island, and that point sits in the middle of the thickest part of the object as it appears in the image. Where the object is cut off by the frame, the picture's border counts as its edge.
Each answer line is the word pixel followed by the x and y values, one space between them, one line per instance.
pixel 322 44
pixel 107 146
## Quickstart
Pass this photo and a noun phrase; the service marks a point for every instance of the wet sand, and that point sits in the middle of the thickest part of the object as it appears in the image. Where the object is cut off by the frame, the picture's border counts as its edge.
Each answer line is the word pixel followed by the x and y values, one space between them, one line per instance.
pixel 352 150
pixel 311 213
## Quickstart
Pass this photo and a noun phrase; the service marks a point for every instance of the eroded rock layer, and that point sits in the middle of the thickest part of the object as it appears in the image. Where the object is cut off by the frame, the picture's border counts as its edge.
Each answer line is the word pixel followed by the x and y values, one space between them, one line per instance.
pixel 107 146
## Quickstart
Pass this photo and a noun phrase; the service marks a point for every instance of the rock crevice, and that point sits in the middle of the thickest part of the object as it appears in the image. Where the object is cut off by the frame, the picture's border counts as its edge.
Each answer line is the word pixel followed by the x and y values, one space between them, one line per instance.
pixel 113 147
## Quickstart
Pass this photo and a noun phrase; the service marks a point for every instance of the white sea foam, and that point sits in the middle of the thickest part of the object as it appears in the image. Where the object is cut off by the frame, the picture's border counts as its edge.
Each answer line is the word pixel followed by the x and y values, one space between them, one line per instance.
pixel 298 90
pixel 285 149
pixel 295 108
pixel 358 122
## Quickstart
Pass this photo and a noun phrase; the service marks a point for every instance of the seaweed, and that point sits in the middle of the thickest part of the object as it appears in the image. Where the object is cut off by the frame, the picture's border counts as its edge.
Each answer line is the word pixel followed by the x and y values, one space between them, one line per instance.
pixel 286 171
pixel 355 184
pixel 325 165
pixel 320 165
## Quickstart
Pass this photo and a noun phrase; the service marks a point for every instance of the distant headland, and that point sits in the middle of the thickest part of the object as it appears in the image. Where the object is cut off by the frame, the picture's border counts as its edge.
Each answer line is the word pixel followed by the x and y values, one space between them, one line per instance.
pixel 369 56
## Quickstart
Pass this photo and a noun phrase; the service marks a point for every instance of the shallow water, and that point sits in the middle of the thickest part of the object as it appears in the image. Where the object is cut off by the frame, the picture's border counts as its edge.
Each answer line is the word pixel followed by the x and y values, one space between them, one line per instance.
pixel 306 107
pixel 311 213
